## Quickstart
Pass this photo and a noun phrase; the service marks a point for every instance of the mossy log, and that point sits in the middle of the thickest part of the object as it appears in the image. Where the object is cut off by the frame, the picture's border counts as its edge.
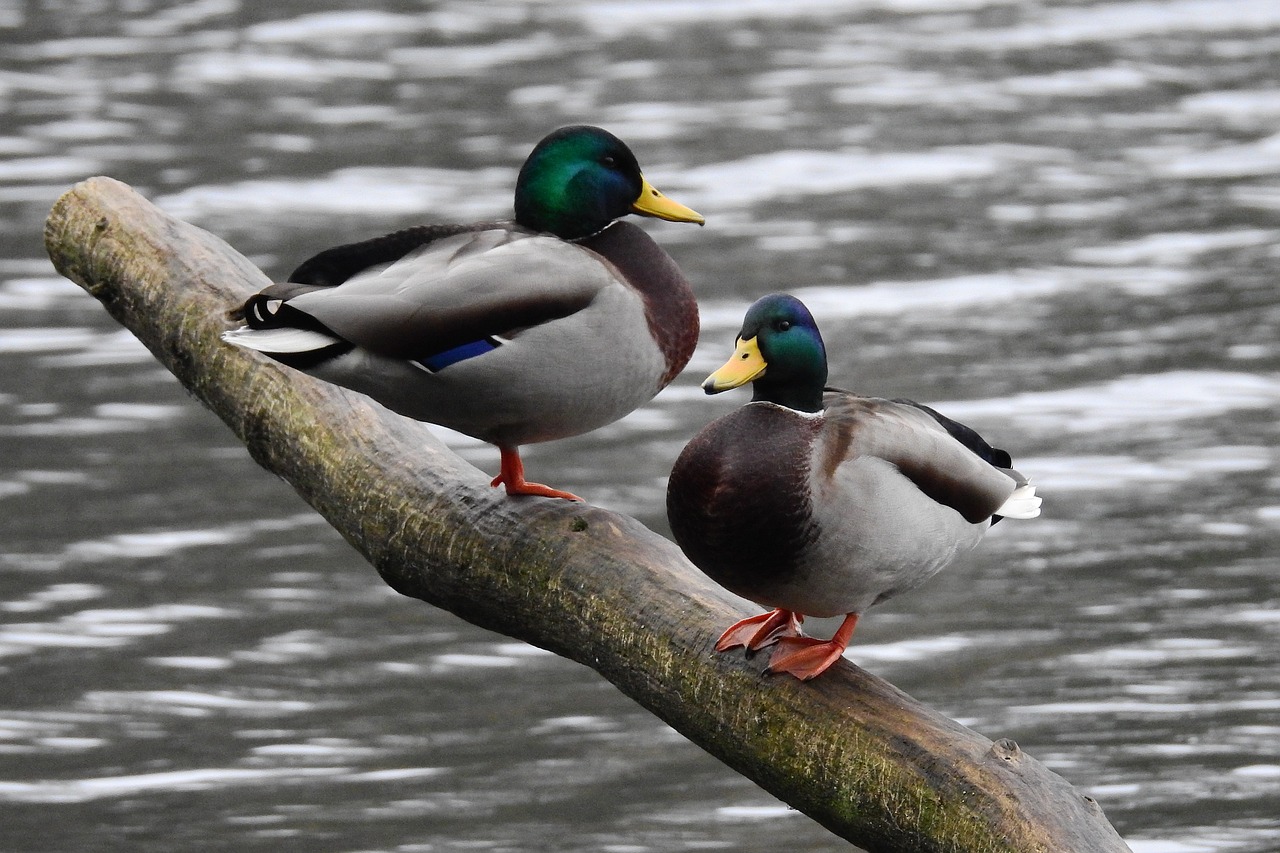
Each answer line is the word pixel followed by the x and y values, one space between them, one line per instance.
pixel 859 756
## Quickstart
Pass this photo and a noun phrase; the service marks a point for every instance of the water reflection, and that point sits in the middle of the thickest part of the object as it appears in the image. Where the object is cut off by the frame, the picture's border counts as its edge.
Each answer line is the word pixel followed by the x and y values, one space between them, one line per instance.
pixel 1057 221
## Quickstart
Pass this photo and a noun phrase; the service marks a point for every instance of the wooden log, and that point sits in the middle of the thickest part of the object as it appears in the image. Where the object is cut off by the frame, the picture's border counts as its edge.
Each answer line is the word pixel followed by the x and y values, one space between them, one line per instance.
pixel 850 750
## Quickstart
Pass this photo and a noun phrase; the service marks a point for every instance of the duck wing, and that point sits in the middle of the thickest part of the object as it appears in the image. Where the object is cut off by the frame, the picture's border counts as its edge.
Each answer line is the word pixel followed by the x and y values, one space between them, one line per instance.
pixel 452 291
pixel 965 435
pixel 334 266
pixel 924 447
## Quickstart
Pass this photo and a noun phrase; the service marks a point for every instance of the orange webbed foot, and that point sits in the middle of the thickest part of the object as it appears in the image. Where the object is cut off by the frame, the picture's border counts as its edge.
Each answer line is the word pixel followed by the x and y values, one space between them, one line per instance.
pixel 809 657
pixel 512 476
pixel 524 487
pixel 756 632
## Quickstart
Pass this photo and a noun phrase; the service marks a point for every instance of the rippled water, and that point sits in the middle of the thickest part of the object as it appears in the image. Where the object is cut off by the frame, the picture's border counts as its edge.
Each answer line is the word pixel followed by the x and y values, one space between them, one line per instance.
pixel 1058 220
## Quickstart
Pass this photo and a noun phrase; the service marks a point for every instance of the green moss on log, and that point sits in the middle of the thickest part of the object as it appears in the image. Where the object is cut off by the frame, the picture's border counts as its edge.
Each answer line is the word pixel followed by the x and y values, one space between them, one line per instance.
pixel 859 756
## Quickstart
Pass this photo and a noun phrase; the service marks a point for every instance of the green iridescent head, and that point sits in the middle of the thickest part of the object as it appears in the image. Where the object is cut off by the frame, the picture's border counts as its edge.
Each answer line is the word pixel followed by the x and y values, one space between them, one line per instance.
pixel 780 352
pixel 580 178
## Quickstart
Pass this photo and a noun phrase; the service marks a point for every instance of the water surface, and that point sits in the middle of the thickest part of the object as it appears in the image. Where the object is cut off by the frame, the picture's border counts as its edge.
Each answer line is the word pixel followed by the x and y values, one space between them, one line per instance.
pixel 1057 221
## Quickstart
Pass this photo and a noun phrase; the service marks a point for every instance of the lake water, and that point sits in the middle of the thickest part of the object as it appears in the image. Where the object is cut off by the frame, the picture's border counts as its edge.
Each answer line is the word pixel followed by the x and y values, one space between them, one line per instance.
pixel 1058 221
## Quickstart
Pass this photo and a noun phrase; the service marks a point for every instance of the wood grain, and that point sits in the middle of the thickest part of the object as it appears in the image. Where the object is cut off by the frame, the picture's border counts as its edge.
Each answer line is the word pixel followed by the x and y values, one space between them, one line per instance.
pixel 859 756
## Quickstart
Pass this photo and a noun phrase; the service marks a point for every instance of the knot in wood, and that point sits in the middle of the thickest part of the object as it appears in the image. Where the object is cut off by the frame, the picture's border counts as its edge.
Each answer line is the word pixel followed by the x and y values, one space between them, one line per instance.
pixel 1006 749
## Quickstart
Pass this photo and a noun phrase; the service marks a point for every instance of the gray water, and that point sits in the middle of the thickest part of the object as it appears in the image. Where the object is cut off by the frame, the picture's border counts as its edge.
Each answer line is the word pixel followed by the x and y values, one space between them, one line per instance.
pixel 1058 221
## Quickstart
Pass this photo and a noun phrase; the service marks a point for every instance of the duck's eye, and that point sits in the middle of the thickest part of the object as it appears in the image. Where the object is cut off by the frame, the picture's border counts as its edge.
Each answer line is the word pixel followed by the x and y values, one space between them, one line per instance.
pixel 782 325
pixel 608 161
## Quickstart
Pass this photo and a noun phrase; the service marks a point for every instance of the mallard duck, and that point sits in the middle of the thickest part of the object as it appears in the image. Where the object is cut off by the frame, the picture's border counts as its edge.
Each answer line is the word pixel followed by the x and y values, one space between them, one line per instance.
pixel 820 502
pixel 513 332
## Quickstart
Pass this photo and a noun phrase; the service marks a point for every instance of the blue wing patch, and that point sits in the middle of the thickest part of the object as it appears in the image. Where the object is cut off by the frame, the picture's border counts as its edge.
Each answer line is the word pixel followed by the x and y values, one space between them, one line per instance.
pixel 441 360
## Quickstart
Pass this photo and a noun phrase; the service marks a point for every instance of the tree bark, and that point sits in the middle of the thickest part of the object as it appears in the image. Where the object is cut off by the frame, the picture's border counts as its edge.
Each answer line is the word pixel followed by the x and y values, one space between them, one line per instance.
pixel 859 756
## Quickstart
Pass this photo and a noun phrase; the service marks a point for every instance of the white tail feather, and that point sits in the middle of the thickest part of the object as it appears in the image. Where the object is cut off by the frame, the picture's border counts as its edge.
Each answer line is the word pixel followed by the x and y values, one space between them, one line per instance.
pixel 279 340
pixel 1023 503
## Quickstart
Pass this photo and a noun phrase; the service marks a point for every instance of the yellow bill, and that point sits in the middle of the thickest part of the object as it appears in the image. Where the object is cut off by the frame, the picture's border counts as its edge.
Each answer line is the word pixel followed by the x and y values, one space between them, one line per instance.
pixel 745 365
pixel 653 203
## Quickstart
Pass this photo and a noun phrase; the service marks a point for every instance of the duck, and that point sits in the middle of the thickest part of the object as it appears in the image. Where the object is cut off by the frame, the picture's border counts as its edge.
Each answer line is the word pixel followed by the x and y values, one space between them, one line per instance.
pixel 814 501
pixel 545 326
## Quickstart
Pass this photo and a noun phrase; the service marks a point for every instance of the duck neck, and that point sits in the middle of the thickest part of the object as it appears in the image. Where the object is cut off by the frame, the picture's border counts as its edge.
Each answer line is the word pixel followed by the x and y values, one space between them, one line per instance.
pixel 567 226
pixel 802 398
pixel 591 236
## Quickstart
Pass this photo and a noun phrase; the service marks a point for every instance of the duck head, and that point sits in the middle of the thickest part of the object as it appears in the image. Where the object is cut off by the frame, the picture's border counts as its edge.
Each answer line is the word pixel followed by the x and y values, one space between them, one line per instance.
pixel 579 179
pixel 780 352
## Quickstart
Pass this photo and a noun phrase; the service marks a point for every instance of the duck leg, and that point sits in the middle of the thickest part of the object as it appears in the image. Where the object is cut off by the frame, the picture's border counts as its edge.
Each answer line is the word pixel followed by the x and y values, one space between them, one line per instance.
pixel 512 476
pixel 756 632
pixel 809 657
